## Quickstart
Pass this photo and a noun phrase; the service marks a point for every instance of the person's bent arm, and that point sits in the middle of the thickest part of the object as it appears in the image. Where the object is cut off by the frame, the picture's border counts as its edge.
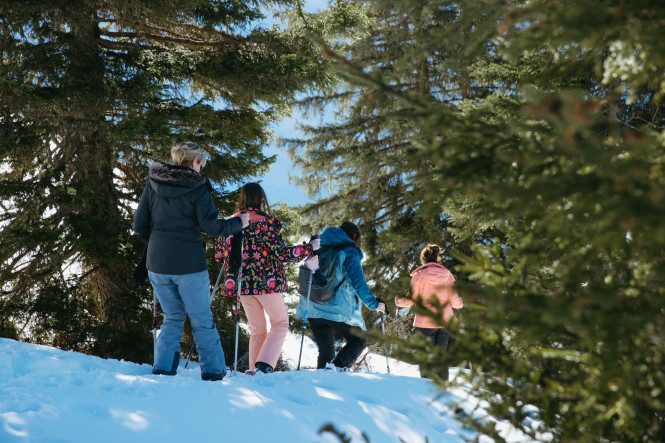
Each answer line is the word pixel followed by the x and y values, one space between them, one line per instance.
pixel 291 254
pixel 141 225
pixel 414 293
pixel 357 279
pixel 209 219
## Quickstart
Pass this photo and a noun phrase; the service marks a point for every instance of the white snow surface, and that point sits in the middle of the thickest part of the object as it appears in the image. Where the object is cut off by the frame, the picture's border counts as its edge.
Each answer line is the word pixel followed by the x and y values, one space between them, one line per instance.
pixel 51 395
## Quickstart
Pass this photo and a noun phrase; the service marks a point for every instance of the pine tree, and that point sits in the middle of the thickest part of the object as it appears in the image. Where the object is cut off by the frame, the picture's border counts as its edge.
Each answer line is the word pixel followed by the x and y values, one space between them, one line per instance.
pixel 90 93
pixel 360 159
pixel 559 154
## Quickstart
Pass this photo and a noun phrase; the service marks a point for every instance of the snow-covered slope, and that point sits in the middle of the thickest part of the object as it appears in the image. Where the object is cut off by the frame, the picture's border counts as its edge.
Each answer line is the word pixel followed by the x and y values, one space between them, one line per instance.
pixel 50 395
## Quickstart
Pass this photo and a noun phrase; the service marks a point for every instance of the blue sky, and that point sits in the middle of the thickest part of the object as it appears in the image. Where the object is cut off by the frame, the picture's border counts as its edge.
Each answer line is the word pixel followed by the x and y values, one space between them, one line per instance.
pixel 276 182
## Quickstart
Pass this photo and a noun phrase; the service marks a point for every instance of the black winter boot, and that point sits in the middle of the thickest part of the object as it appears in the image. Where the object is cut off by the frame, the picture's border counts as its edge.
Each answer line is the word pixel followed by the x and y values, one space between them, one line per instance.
pixel 174 366
pixel 205 376
pixel 263 367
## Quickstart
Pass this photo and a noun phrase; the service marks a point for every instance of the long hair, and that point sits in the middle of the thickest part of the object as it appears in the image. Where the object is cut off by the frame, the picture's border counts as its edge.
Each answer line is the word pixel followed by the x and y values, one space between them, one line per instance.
pixel 352 230
pixel 252 195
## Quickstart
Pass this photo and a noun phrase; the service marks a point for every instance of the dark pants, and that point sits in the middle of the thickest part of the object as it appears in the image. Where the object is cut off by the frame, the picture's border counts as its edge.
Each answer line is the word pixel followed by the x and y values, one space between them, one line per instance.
pixel 324 333
pixel 438 337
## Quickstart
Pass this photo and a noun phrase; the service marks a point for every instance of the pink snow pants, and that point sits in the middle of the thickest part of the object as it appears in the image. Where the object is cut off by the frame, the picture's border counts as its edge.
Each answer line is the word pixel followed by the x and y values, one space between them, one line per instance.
pixel 265 346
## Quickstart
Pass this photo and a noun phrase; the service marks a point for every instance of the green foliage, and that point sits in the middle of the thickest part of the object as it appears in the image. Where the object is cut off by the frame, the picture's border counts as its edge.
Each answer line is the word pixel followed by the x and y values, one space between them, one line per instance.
pixel 526 138
pixel 90 93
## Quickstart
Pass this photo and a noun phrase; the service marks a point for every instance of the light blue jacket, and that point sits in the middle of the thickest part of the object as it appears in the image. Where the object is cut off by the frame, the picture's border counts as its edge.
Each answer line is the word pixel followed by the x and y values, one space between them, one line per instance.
pixel 345 306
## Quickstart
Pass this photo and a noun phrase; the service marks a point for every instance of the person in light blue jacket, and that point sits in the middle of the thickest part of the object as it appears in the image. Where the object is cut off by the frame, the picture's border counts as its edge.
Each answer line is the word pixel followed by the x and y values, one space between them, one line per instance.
pixel 341 314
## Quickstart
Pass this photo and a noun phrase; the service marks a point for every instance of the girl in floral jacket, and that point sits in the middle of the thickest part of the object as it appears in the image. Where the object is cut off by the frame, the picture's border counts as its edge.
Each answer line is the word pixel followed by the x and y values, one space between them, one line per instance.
pixel 263 276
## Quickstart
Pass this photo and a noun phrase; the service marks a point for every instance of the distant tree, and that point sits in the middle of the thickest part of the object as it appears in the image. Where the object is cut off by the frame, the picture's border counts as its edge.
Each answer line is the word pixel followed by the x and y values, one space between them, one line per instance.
pixel 559 156
pixel 90 93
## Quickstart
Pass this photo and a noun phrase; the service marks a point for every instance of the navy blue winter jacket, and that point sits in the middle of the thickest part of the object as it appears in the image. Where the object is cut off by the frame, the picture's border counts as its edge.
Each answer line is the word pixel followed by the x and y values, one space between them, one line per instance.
pixel 174 208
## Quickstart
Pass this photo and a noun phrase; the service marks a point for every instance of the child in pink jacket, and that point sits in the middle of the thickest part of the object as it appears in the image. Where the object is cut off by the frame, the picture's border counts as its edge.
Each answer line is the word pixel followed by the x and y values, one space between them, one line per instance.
pixel 434 285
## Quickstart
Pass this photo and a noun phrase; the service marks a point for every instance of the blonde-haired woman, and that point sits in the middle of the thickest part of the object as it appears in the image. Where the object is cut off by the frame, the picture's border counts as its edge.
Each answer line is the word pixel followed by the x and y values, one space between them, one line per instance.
pixel 174 208
pixel 433 284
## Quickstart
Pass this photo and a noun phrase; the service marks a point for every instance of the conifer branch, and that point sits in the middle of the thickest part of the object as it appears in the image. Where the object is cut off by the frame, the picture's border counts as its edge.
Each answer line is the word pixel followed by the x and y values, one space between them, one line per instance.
pixel 174 39
pixel 124 46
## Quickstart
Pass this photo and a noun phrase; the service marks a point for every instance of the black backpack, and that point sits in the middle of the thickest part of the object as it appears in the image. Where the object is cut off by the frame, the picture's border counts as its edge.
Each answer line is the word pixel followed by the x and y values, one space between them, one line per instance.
pixel 324 279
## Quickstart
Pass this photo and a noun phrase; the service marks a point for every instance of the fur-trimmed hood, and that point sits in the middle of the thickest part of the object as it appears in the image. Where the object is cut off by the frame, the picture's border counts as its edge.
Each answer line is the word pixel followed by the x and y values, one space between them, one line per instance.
pixel 171 181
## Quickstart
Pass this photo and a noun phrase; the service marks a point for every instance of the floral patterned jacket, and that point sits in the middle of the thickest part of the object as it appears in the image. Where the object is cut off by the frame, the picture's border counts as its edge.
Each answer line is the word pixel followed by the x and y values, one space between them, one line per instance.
pixel 263 255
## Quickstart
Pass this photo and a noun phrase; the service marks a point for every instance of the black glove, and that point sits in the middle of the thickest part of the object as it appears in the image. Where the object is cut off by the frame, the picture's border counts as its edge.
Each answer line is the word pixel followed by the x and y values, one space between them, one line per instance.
pixel 380 300
pixel 140 274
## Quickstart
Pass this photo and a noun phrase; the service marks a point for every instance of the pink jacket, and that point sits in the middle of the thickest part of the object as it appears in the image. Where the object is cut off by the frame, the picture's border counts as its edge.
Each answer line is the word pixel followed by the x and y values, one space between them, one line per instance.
pixel 432 279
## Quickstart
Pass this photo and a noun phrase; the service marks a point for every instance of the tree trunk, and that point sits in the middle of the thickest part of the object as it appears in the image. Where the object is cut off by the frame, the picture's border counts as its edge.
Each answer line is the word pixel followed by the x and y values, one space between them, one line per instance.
pixel 103 231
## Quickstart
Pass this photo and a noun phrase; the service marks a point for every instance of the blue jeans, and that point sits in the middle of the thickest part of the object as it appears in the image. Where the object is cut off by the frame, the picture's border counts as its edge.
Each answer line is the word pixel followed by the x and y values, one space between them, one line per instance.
pixel 180 296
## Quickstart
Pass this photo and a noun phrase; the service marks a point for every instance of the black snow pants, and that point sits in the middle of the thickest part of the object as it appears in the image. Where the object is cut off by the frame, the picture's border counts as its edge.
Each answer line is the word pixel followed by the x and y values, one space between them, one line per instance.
pixel 324 334
pixel 438 337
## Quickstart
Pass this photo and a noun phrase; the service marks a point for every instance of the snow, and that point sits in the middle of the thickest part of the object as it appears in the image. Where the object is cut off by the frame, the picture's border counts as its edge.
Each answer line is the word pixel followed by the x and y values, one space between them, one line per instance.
pixel 51 395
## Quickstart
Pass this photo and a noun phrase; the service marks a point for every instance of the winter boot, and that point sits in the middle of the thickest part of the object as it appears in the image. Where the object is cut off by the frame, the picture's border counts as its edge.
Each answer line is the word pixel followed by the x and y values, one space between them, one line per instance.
pixel 174 366
pixel 209 376
pixel 263 367
pixel 332 367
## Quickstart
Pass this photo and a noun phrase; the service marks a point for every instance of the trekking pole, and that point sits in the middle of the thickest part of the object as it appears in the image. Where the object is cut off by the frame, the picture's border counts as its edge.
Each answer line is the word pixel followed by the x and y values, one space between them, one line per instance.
pixel 235 358
pixel 304 324
pixel 154 324
pixel 212 295
pixel 383 330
